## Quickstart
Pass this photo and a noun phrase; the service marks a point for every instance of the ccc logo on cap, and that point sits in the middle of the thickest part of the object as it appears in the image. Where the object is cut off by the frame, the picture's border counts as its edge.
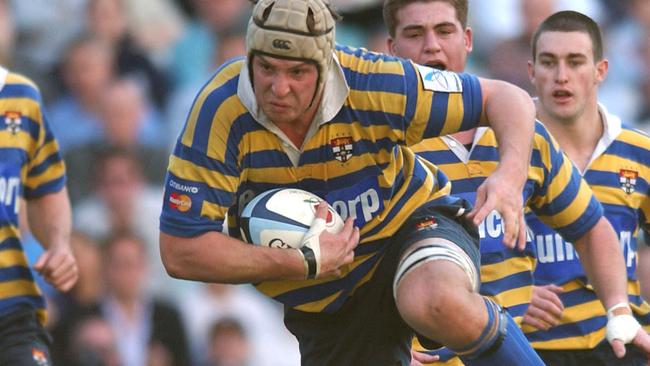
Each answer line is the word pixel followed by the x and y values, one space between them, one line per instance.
pixel 282 44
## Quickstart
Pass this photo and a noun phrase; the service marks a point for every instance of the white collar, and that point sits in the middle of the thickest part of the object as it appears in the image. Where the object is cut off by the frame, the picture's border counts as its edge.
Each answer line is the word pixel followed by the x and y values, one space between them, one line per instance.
pixel 3 76
pixel 612 127
pixel 334 95
pixel 459 149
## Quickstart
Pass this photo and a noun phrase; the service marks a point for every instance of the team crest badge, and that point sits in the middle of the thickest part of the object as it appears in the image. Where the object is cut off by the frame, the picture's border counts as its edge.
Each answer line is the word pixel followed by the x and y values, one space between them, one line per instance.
pixel 13 121
pixel 39 357
pixel 342 148
pixel 627 178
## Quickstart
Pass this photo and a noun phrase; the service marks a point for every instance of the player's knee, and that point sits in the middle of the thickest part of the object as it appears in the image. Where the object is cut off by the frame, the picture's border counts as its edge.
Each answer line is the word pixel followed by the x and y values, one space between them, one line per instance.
pixel 435 260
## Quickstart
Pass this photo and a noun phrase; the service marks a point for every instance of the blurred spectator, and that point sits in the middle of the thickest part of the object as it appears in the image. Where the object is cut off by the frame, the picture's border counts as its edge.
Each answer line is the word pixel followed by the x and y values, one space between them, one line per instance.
pixel 73 307
pixel 508 59
pixel 122 117
pixel 122 200
pixel 156 25
pixel 261 319
pixel 87 71
pixel 106 19
pixel 232 44
pixel 627 68
pixel 43 29
pixel 148 330
pixel 92 343
pixel 193 54
pixel 228 344
pixel 7 34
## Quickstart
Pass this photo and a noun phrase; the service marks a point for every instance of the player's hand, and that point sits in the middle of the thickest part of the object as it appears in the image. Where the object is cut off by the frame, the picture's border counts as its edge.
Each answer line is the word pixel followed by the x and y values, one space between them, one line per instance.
pixel 336 250
pixel 421 358
pixel 622 328
pixel 502 192
pixel 58 267
pixel 545 309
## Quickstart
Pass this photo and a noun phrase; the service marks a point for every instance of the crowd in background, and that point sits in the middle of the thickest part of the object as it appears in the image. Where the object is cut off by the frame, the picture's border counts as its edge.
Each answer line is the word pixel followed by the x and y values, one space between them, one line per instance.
pixel 118 78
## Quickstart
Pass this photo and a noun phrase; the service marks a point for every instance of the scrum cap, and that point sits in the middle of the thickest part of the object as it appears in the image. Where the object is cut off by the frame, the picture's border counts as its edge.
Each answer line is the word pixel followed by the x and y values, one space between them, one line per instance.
pixel 293 29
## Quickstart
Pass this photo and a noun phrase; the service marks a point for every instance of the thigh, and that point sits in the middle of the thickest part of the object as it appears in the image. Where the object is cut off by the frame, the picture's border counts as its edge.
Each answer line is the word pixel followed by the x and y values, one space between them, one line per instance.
pixel 367 330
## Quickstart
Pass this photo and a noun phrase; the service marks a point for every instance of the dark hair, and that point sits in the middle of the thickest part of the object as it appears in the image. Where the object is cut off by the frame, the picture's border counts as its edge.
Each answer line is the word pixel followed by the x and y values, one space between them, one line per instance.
pixel 570 21
pixel 391 7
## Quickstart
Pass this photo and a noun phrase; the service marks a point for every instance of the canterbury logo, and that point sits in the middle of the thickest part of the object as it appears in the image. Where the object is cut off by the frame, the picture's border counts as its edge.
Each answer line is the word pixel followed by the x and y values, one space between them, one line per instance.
pixel 282 44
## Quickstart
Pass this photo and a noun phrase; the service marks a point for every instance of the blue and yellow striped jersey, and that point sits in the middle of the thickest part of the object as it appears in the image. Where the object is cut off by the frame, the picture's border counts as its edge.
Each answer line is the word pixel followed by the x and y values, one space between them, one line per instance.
pixel 356 159
pixel 553 189
pixel 619 175
pixel 30 167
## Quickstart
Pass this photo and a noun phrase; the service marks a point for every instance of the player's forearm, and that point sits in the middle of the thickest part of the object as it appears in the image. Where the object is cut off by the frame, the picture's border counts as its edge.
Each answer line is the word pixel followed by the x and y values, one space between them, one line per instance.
pixel 511 114
pixel 215 257
pixel 50 219
pixel 602 259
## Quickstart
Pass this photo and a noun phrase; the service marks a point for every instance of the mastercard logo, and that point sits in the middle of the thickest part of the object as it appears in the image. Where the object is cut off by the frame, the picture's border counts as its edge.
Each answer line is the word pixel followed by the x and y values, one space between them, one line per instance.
pixel 180 202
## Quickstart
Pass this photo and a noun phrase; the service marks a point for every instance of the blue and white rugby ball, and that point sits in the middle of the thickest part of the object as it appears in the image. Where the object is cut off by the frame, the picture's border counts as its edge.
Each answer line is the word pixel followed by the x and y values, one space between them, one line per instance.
pixel 279 218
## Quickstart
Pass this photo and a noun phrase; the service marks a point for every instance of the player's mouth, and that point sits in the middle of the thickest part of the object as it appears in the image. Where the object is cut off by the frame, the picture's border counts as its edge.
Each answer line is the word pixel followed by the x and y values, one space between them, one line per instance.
pixel 437 65
pixel 562 95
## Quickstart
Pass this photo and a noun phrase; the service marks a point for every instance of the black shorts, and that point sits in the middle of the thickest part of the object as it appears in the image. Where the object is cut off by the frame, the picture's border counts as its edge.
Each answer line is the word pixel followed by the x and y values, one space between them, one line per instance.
pixel 23 341
pixel 602 355
pixel 368 329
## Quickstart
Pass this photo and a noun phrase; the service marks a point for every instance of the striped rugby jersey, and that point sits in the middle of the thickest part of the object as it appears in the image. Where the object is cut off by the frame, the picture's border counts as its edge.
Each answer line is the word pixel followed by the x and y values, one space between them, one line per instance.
pixel 619 174
pixel 553 189
pixel 30 167
pixel 354 157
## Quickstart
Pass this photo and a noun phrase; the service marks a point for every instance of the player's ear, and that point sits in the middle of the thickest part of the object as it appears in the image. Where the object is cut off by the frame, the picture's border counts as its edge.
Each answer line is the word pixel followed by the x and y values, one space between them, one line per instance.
pixel 602 68
pixel 390 45
pixel 531 71
pixel 469 39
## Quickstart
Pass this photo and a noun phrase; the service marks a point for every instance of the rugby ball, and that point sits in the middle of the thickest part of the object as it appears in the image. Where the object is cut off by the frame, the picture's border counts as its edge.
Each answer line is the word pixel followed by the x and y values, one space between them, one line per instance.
pixel 279 218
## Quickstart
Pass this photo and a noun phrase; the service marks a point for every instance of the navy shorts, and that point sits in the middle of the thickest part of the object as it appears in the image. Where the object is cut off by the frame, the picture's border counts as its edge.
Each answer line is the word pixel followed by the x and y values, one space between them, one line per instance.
pixel 23 341
pixel 602 355
pixel 368 329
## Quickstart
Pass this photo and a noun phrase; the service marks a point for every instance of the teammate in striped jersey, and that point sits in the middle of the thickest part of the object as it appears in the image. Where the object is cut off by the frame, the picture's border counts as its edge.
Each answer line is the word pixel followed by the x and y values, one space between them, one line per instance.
pixel 301 112
pixel 31 169
pixel 566 70
pixel 436 33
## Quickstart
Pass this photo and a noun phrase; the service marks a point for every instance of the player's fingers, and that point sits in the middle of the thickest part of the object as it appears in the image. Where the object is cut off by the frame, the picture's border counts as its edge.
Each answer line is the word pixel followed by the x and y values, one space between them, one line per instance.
pixel 554 302
pixel 321 210
pixel 619 348
pixel 511 228
pixel 536 323
pixel 521 241
pixel 65 282
pixel 39 266
pixel 543 315
pixel 484 209
pixel 642 341
pixel 423 357
pixel 478 203
pixel 555 288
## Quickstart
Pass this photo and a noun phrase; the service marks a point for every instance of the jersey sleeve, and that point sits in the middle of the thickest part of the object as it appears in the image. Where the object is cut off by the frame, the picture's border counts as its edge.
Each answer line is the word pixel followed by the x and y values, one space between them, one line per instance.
pixel 203 173
pixel 440 102
pixel 562 199
pixel 46 169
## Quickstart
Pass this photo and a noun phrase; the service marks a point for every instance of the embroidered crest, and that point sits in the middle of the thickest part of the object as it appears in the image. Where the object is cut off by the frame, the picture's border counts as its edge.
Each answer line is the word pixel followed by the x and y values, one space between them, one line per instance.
pixel 627 178
pixel 342 148
pixel 39 357
pixel 13 121
pixel 428 222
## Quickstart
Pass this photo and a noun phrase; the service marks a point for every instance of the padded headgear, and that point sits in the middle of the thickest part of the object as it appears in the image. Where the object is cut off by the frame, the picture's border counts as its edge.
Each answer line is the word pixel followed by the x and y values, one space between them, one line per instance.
pixel 293 29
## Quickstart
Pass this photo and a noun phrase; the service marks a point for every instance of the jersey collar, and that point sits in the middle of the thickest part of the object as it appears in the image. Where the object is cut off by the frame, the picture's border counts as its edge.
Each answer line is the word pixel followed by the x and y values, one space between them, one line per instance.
pixel 612 127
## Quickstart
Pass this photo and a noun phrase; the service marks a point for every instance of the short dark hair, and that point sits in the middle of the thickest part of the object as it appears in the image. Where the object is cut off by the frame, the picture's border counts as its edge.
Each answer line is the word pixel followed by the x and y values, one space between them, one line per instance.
pixel 571 21
pixel 391 7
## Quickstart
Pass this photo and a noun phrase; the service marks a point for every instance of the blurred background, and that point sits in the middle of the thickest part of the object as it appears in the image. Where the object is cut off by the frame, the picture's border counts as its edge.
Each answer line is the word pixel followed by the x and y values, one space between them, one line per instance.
pixel 118 78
